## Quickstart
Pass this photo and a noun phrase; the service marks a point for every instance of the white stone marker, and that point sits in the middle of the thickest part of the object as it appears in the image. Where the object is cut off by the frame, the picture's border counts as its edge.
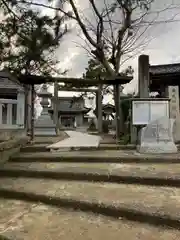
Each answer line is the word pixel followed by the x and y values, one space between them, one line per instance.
pixel 157 137
pixel 173 94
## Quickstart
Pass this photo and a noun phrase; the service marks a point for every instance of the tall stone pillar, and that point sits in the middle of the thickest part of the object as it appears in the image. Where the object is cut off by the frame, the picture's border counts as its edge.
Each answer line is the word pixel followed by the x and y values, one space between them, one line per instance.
pixel 44 125
pixel 143 76
pixel 143 89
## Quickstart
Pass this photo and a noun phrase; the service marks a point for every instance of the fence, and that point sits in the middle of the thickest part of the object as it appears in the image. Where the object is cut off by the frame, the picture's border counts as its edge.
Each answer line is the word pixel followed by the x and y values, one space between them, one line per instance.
pixel 10 114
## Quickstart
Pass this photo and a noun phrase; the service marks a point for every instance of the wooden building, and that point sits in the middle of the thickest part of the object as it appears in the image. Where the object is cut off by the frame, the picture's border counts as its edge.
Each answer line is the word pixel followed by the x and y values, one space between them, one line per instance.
pixel 12 102
pixel 162 76
pixel 70 114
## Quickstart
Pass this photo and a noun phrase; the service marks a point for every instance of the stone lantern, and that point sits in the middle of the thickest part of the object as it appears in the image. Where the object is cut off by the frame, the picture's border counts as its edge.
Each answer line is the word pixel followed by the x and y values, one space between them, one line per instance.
pixel 44 125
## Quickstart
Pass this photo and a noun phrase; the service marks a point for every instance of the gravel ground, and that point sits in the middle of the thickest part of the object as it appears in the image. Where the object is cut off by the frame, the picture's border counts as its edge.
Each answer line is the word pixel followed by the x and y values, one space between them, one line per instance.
pixel 24 221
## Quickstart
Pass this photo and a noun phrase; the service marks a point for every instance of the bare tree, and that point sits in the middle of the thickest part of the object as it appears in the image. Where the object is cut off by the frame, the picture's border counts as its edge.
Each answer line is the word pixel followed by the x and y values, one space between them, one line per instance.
pixel 113 34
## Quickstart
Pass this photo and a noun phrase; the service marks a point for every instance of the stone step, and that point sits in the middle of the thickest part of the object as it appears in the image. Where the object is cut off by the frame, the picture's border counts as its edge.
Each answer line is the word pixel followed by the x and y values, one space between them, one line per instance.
pixel 144 174
pixel 158 206
pixel 42 147
pixel 109 156
pixel 50 139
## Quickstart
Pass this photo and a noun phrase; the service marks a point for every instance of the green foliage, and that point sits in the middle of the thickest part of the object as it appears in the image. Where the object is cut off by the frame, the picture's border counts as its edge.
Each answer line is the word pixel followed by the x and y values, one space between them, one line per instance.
pixel 28 40
pixel 95 70
pixel 125 139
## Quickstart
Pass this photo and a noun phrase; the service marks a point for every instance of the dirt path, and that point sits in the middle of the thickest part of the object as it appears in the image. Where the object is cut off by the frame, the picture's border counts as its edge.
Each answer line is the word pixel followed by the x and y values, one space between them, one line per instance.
pixel 26 221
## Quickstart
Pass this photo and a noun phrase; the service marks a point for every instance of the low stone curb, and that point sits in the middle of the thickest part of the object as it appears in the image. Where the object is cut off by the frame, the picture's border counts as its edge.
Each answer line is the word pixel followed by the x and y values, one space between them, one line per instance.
pixel 4 238
pixel 35 148
pixel 95 207
pixel 91 177
pixel 77 157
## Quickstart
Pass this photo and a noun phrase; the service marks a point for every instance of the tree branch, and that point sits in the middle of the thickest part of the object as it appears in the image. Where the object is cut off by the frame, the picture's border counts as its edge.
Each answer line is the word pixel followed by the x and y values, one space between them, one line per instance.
pixel 127 12
pixel 81 24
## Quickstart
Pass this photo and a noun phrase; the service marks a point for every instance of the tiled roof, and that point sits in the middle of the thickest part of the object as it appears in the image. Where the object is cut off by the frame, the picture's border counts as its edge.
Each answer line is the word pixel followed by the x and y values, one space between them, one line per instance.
pixel 165 69
pixel 65 105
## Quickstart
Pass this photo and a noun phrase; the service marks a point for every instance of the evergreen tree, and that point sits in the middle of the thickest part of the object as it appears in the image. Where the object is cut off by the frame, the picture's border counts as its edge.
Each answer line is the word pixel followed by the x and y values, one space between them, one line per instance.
pixel 29 40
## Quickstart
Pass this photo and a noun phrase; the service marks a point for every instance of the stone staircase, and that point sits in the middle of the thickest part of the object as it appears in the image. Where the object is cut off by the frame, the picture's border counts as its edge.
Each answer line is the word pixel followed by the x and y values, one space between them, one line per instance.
pixel 117 185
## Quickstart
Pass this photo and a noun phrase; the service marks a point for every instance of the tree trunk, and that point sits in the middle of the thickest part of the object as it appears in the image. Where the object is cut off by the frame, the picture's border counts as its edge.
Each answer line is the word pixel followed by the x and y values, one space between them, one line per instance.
pixel 56 119
pixel 99 108
pixel 32 112
pixel 118 111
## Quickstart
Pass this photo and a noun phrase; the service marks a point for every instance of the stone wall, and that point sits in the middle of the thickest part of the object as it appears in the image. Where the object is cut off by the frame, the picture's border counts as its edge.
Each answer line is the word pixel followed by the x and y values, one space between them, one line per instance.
pixel 9 134
pixel 10 142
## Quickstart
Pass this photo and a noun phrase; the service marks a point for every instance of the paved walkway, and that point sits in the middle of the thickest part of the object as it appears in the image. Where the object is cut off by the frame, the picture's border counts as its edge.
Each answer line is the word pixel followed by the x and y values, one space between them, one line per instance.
pixel 76 139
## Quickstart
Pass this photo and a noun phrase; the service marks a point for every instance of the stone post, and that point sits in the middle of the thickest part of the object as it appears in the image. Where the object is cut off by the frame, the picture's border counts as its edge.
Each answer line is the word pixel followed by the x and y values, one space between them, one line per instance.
pixel 21 108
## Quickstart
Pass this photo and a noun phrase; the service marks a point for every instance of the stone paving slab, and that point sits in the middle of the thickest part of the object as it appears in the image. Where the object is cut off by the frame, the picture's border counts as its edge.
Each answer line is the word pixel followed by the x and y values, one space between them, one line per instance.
pixel 158 201
pixel 26 221
pixel 76 139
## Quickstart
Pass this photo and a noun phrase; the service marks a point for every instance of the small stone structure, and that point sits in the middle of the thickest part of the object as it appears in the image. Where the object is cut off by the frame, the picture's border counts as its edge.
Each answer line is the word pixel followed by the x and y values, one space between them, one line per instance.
pixel 157 137
pixel 44 124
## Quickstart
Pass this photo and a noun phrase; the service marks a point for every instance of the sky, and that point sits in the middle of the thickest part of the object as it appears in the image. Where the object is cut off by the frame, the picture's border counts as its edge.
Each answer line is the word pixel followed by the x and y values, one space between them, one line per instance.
pixel 163 46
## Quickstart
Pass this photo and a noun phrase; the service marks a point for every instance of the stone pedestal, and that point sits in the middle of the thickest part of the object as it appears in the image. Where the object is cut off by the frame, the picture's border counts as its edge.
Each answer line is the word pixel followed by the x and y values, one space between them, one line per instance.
pixel 44 125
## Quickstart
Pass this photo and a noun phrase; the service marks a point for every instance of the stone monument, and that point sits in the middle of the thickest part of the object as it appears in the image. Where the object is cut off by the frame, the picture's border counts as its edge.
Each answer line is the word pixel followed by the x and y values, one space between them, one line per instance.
pixel 173 94
pixel 157 137
pixel 44 125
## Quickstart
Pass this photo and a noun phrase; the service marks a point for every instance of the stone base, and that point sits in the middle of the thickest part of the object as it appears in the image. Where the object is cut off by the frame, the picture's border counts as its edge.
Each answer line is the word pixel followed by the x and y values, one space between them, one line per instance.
pixel 44 131
pixel 161 147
